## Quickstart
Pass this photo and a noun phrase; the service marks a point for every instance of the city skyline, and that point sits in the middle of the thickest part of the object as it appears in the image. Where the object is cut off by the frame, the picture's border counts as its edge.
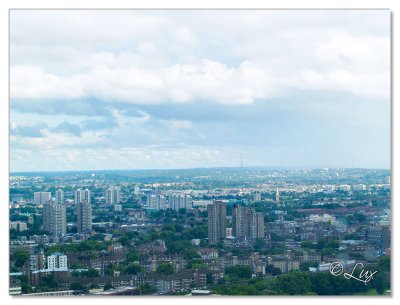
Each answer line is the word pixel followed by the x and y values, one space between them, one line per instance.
pixel 195 168
pixel 110 90
pixel 199 232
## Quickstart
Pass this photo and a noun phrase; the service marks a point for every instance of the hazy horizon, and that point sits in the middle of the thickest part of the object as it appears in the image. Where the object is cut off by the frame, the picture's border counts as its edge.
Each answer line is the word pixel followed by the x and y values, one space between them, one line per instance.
pixel 98 90
pixel 217 167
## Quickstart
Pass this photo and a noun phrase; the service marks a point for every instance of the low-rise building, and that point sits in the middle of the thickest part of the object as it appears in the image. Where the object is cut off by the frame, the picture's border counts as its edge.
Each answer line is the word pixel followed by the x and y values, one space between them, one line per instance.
pixel 18 225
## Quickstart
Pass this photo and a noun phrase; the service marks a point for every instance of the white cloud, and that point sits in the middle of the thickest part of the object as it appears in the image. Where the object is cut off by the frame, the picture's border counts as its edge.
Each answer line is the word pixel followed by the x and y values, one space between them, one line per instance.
pixel 133 61
pixel 161 57
pixel 33 82
pixel 207 80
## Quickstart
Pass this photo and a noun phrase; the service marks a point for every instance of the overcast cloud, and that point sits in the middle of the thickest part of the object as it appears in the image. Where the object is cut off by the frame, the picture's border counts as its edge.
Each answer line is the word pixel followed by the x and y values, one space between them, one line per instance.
pixel 176 89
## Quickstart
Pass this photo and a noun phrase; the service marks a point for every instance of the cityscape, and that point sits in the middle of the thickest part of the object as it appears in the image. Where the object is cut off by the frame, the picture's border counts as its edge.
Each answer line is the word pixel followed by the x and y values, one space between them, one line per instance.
pixel 200 152
pixel 216 231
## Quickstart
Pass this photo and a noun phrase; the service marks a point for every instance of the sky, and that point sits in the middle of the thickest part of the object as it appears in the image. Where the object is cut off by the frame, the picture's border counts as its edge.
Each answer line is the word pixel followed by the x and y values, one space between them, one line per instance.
pixel 126 89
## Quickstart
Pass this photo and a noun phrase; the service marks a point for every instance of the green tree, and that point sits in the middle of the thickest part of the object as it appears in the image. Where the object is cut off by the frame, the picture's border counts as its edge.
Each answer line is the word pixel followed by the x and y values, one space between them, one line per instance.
pixel 76 286
pixel 48 283
pixel 133 256
pixel 294 283
pixel 132 269
pixel 259 244
pixel 165 268
pixel 20 257
pixel 379 283
pixel 147 289
pixel 25 287
pixel 270 269
pixel 307 245
pixel 93 273
pixel 360 217
pixel 305 266
pixel 384 263
pixel 240 272
pixel 124 240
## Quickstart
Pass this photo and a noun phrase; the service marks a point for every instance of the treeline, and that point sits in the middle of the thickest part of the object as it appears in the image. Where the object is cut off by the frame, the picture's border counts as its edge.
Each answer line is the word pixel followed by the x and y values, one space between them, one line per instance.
pixel 302 283
pixel 309 283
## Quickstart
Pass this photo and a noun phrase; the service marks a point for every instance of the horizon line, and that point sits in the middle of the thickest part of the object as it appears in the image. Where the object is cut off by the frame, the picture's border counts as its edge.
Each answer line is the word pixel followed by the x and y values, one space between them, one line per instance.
pixel 277 167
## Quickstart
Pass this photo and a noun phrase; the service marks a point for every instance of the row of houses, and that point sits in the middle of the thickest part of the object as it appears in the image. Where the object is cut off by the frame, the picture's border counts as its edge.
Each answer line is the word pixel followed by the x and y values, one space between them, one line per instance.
pixel 179 281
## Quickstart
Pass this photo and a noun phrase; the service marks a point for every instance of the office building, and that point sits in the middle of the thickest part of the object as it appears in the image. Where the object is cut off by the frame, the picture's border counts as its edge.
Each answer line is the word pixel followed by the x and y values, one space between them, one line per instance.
pixel 18 226
pixel 59 196
pixel 277 199
pixel 84 217
pixel 41 197
pixel 152 202
pixel 57 261
pixel 257 196
pixel 54 218
pixel 136 190
pixel 157 202
pixel 36 262
pixel 260 225
pixel 178 201
pixel 112 196
pixel 82 196
pixel 247 224
pixel 216 221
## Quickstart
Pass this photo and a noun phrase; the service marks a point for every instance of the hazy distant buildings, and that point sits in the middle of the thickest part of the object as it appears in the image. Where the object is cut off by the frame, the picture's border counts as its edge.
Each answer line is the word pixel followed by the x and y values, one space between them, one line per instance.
pixel 152 202
pixel 157 202
pixel 247 223
pixel 41 197
pixel 216 221
pixel 202 204
pixel 112 196
pixel 84 217
pixel 82 196
pixel 277 199
pixel 359 187
pixel 345 188
pixel 136 190
pixel 322 218
pixel 330 188
pixel 257 196
pixel 54 218
pixel 177 202
pixel 59 196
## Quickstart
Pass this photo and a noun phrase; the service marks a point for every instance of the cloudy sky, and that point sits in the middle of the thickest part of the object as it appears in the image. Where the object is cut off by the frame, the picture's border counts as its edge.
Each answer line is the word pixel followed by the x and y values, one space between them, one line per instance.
pixel 180 89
